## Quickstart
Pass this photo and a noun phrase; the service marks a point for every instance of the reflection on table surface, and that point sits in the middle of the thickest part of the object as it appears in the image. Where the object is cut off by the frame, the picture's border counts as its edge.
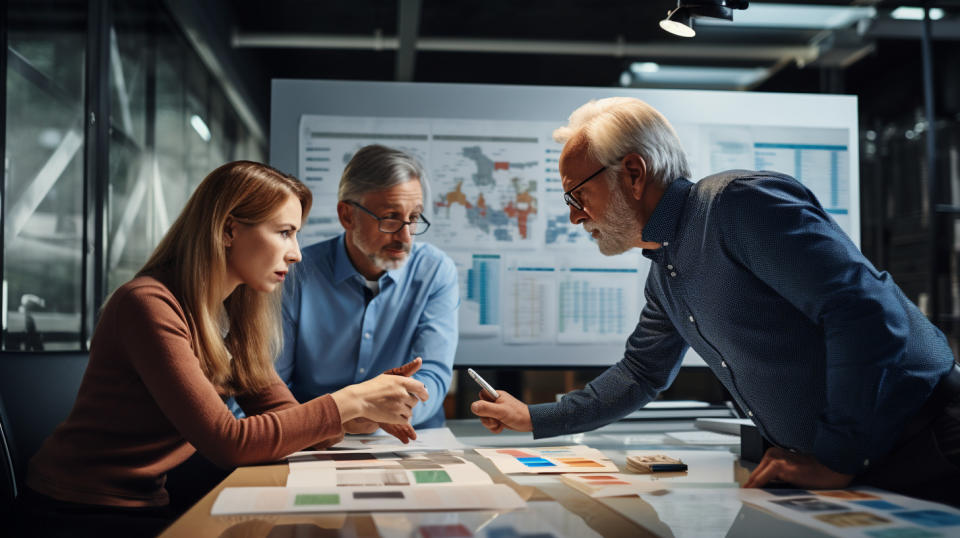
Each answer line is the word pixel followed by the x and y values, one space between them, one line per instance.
pixel 701 502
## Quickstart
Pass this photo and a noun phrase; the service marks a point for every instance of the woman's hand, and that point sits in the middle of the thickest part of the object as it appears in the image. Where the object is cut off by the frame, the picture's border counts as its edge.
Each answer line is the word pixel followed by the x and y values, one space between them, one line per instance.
pixel 360 426
pixel 386 398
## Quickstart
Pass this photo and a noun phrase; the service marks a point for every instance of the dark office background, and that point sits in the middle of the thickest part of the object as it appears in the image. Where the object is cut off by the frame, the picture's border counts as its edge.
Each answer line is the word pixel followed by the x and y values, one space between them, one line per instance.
pixel 184 86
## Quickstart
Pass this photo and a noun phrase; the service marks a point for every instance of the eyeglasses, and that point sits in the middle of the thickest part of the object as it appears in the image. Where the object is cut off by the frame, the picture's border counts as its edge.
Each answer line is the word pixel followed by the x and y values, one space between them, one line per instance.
pixel 568 196
pixel 392 226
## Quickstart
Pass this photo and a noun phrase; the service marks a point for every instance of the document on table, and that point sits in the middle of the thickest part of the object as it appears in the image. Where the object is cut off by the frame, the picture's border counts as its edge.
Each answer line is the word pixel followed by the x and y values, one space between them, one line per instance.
pixel 279 500
pixel 399 473
pixel 542 460
pixel 383 469
pixel 858 512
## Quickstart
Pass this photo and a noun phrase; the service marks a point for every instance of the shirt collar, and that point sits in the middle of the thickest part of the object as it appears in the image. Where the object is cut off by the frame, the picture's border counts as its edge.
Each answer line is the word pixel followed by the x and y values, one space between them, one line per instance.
pixel 343 268
pixel 662 226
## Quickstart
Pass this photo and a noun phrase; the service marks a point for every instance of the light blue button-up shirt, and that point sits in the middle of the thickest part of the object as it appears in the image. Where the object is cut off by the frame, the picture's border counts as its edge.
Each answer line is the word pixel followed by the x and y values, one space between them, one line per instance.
pixel 332 339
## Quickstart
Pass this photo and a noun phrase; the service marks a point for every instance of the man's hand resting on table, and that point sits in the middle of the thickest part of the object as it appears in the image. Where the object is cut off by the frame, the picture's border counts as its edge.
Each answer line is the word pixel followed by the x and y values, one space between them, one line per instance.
pixel 797 469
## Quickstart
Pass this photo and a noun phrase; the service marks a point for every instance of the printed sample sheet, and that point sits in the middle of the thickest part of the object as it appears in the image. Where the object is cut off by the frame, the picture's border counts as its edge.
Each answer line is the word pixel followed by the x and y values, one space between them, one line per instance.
pixel 860 512
pixel 383 469
pixel 542 460
pixel 614 484
pixel 280 500
pixel 705 468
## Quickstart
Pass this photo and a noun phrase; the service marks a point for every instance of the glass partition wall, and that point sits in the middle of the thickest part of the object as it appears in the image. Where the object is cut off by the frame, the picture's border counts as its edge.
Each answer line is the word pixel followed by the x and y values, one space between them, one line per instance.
pixel 170 123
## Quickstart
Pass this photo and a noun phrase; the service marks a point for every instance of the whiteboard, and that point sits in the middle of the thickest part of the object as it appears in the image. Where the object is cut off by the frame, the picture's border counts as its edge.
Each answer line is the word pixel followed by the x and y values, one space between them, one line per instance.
pixel 534 289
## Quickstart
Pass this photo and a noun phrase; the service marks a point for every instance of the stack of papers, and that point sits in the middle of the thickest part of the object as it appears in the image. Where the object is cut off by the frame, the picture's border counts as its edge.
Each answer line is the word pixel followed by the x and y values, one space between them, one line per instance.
pixel 558 459
pixel 654 463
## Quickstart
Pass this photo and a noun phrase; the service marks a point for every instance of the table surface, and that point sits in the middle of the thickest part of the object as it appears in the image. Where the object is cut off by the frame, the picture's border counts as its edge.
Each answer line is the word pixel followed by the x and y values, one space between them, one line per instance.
pixel 551 505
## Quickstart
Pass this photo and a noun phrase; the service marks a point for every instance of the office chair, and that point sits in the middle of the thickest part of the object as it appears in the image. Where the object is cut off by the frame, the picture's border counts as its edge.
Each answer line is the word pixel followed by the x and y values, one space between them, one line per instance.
pixel 37 391
pixel 8 477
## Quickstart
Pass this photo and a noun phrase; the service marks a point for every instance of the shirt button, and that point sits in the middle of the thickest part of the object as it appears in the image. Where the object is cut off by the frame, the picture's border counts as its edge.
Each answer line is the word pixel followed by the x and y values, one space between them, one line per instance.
pixel 749 413
pixel 691 319
pixel 673 274
pixel 866 462
pixel 665 243
pixel 362 370
pixel 669 267
pixel 366 336
pixel 723 364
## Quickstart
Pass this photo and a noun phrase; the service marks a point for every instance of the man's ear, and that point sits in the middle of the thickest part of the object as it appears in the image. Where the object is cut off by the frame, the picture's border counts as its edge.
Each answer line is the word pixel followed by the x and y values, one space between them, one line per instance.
pixel 228 230
pixel 636 175
pixel 345 213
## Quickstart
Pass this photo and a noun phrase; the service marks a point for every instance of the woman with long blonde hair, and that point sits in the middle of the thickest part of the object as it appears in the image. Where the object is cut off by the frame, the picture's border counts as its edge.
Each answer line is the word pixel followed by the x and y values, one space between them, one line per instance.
pixel 199 323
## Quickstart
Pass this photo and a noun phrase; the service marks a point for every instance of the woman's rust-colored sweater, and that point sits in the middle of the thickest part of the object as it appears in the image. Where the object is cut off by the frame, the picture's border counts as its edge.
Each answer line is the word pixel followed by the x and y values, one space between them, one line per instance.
pixel 145 406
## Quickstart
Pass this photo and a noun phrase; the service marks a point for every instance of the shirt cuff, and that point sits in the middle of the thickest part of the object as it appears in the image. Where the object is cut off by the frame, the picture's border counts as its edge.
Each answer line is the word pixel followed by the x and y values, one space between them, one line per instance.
pixel 547 420
pixel 837 449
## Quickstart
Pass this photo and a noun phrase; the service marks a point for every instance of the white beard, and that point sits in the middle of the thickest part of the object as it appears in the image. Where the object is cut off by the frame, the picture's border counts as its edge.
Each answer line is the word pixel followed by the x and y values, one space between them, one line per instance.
pixel 618 226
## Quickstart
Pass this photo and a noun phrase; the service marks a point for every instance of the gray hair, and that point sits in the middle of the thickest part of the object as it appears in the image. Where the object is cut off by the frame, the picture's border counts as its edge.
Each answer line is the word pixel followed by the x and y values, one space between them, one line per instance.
pixel 375 168
pixel 616 126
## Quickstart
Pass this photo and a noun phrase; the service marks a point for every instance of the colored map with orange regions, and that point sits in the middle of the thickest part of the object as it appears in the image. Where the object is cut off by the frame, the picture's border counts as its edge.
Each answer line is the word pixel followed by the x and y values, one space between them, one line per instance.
pixel 516 212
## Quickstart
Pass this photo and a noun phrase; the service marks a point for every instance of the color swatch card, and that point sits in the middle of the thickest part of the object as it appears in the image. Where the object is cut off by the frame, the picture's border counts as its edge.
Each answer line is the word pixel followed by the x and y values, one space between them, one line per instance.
pixel 540 460
pixel 860 512
pixel 277 500
pixel 611 484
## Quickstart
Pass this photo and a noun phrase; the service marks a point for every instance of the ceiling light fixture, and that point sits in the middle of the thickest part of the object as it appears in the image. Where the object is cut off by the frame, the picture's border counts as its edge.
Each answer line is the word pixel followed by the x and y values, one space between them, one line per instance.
pixel 679 21
pixel 906 13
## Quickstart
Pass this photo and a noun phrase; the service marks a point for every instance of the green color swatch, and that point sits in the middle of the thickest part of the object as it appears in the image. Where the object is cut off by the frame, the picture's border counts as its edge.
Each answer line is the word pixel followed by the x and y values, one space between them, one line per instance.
pixel 309 499
pixel 431 477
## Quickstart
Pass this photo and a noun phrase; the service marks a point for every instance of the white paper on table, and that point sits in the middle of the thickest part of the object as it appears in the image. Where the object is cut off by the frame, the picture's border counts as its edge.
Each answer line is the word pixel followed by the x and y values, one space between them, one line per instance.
pixel 544 460
pixel 389 474
pixel 429 438
pixel 856 510
pixel 701 437
pixel 280 500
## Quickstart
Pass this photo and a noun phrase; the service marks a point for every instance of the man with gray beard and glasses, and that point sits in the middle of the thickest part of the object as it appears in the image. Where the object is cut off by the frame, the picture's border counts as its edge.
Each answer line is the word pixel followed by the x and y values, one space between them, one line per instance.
pixel 371 299
pixel 836 367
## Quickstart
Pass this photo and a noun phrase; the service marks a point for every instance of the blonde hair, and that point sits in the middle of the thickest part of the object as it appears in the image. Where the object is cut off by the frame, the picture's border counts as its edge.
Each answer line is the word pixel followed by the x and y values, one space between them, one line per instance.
pixel 191 257
pixel 616 126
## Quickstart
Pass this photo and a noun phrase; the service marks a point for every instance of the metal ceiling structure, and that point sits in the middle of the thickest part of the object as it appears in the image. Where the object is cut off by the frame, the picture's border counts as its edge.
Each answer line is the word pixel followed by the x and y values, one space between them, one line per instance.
pixel 560 42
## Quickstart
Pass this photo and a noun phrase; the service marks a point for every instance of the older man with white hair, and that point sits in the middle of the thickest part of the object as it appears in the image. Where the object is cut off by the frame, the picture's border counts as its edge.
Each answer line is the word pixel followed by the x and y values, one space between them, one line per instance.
pixel 836 367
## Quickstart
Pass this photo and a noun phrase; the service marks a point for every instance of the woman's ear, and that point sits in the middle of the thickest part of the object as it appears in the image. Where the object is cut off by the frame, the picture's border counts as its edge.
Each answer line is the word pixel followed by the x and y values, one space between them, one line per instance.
pixel 228 230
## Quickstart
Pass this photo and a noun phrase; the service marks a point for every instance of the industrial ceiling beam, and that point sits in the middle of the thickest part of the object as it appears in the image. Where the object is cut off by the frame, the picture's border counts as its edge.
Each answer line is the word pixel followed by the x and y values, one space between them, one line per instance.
pixel 712 51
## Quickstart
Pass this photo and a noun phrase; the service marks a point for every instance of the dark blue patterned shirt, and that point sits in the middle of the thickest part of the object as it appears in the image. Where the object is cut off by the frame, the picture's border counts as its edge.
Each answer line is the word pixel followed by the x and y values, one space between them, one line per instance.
pixel 822 351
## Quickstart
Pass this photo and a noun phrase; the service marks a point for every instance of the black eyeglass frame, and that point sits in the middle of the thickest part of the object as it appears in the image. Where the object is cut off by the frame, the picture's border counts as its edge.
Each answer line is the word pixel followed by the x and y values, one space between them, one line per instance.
pixel 414 230
pixel 568 196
